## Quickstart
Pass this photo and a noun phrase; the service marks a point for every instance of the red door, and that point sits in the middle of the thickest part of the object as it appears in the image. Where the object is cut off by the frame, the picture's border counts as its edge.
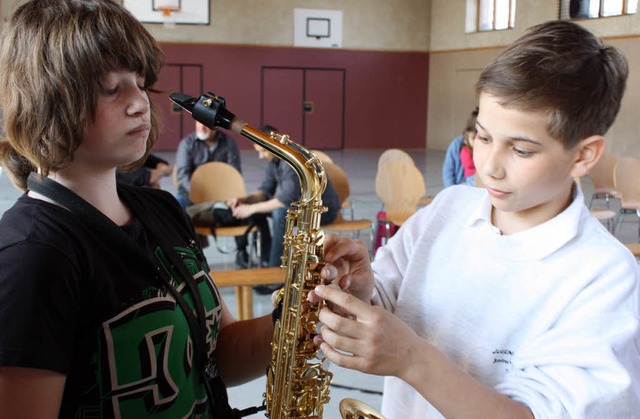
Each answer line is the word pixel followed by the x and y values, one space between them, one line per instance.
pixel 324 109
pixel 307 104
pixel 282 97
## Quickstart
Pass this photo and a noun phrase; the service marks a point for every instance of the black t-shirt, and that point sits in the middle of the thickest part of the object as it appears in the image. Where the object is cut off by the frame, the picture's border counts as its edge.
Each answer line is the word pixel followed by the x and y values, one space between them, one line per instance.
pixel 72 302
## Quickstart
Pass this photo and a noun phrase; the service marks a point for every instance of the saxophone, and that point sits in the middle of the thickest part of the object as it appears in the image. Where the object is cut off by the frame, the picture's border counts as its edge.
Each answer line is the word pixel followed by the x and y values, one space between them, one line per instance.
pixel 297 383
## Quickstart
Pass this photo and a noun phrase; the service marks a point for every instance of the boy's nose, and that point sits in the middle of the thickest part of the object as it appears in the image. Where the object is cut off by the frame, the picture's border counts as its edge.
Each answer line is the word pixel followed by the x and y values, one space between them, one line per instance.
pixel 491 164
pixel 139 102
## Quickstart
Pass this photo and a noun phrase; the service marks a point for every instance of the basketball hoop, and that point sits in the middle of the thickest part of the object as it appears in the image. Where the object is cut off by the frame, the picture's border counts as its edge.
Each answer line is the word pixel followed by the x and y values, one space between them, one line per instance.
pixel 168 15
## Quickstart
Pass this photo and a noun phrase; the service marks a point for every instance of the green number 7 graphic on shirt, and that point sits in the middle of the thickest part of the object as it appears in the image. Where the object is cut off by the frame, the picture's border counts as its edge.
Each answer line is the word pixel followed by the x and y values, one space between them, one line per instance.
pixel 150 356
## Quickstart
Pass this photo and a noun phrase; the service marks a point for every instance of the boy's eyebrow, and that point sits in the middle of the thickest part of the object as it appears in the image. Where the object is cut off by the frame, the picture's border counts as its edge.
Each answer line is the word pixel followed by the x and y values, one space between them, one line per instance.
pixel 525 139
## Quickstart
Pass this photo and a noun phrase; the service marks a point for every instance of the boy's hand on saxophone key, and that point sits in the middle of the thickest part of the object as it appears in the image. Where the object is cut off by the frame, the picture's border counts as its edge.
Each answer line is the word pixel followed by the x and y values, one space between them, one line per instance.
pixel 347 265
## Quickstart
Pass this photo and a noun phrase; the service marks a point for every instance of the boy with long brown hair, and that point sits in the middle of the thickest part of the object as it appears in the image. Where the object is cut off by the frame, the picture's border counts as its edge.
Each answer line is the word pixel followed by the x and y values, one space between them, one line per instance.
pixel 106 304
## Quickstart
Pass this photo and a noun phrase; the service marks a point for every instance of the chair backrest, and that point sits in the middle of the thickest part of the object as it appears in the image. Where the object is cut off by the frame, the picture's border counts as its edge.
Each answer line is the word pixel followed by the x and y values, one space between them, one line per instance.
pixel 394 154
pixel 339 180
pixel 215 181
pixel 601 174
pixel 322 156
pixel 400 185
pixel 626 178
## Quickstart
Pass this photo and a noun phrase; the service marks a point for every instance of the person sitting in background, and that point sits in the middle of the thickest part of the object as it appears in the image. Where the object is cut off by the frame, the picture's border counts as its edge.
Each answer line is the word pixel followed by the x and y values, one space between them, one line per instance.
pixel 149 175
pixel 200 147
pixel 466 155
pixel 274 196
pixel 452 169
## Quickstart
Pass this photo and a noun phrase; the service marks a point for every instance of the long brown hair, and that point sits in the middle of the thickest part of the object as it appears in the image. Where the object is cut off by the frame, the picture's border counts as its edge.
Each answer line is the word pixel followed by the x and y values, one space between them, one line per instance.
pixel 53 55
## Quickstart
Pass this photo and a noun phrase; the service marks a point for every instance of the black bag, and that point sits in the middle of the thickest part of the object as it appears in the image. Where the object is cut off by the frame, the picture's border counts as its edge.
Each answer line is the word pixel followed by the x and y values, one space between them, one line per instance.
pixel 223 217
pixel 212 214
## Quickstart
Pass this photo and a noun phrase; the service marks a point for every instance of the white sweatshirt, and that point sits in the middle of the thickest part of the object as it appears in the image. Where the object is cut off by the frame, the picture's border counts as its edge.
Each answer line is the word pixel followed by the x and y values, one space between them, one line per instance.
pixel 547 316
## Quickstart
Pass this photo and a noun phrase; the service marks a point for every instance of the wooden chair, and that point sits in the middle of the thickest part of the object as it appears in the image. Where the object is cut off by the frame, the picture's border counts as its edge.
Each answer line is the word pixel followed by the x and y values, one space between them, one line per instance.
pixel 219 181
pixel 607 217
pixel 392 154
pixel 322 156
pixel 400 186
pixel 634 248
pixel 325 158
pixel 601 176
pixel 626 178
pixel 340 182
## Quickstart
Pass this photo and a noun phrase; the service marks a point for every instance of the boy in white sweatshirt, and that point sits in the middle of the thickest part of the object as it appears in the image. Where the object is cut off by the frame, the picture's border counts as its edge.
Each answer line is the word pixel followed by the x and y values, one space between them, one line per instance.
pixel 509 301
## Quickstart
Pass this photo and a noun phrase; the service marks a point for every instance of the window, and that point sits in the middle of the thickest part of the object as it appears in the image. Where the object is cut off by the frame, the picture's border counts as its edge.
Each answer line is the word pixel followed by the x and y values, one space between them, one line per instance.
pixel 490 15
pixel 593 9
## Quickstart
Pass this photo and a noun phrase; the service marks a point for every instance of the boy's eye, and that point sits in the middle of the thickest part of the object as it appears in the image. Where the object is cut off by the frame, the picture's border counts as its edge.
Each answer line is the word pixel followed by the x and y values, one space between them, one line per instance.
pixel 482 138
pixel 109 90
pixel 522 153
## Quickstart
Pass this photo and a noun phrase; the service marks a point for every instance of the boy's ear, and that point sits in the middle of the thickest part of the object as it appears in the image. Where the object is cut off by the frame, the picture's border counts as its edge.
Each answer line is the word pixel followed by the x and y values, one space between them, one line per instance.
pixel 588 152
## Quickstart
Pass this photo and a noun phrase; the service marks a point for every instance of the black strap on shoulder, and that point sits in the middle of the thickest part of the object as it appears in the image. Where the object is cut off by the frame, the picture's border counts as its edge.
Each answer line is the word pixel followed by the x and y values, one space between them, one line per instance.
pixel 109 231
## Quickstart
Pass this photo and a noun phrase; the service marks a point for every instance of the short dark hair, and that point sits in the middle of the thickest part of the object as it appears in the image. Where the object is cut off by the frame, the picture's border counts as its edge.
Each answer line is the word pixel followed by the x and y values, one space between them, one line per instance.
pixel 561 68
pixel 53 56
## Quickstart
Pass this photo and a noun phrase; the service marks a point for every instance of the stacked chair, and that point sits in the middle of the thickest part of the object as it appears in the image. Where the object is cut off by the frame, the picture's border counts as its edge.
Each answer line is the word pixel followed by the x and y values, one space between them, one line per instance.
pixel 626 178
pixel 400 186
pixel 343 225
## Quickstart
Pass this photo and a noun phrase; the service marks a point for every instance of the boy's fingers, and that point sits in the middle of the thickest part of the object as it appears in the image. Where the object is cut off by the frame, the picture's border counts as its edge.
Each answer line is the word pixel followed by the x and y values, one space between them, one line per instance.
pixel 329 272
pixel 347 302
pixel 337 247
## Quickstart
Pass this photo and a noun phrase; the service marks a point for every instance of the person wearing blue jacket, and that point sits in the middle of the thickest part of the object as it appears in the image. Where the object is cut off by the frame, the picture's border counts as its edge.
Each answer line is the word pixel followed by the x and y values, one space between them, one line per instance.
pixel 452 170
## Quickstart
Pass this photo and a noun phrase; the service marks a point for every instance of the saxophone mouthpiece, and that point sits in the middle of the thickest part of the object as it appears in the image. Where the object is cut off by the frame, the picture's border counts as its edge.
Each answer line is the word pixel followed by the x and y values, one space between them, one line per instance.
pixel 208 109
pixel 186 102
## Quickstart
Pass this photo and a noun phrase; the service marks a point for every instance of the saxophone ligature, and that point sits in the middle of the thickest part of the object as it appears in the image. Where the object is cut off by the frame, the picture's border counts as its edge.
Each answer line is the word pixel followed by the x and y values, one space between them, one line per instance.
pixel 297 383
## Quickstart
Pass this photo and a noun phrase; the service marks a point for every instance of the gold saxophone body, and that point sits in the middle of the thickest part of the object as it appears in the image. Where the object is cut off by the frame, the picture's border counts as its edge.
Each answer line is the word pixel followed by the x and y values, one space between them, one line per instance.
pixel 297 383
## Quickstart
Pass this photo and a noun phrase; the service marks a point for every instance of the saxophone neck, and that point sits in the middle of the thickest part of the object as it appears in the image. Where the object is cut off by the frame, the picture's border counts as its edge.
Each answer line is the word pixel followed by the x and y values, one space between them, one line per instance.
pixel 308 168
pixel 210 110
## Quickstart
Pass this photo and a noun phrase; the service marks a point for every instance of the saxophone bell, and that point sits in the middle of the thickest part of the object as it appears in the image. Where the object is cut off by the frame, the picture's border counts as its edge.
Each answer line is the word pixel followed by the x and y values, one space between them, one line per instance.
pixel 356 409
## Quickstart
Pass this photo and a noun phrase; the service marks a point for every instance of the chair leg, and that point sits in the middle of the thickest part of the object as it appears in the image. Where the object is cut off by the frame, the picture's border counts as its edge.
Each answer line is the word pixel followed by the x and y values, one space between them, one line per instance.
pixel 387 232
pixel 251 239
pixel 259 247
pixel 255 249
pixel 611 226
pixel 372 240
pixel 619 219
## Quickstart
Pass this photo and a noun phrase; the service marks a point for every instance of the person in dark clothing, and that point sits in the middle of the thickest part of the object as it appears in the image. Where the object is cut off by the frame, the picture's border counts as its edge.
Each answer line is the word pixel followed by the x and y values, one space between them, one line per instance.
pixel 274 196
pixel 106 303
pixel 202 146
pixel 149 174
